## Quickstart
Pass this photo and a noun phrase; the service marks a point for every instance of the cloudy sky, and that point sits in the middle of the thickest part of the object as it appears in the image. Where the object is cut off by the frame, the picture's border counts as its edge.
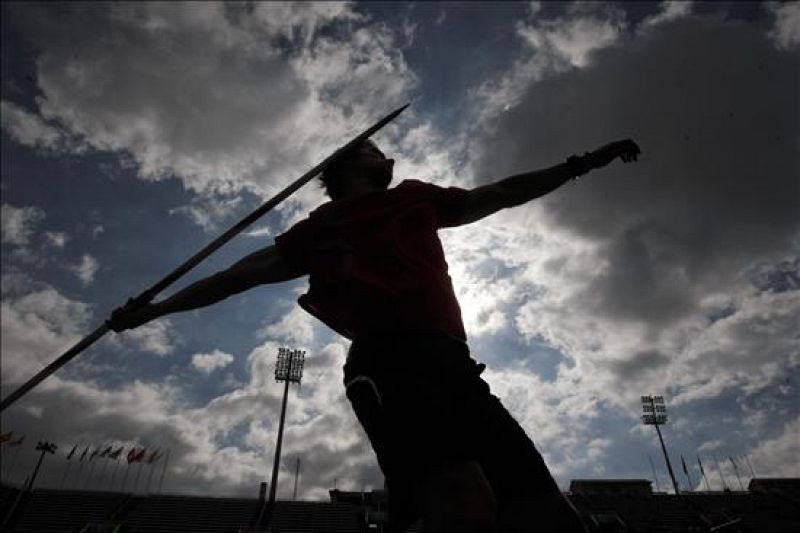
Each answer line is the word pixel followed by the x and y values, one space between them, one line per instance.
pixel 133 134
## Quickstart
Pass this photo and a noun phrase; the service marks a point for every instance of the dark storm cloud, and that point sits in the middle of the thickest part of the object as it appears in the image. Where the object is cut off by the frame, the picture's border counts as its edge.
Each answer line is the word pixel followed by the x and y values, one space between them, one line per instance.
pixel 714 107
pixel 642 362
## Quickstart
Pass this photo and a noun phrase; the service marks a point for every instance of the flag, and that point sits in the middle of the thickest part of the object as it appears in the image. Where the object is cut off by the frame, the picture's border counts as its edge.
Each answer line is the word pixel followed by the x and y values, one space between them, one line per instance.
pixel 71 453
pixel 4 437
pixel 702 471
pixel 685 470
pixel 155 456
pixel 115 454
pixel 83 455
pixel 106 452
pixel 17 442
pixel 132 454
pixel 139 456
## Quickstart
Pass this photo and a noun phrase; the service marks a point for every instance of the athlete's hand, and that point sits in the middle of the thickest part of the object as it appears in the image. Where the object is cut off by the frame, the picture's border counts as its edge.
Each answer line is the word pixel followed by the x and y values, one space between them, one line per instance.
pixel 131 315
pixel 626 150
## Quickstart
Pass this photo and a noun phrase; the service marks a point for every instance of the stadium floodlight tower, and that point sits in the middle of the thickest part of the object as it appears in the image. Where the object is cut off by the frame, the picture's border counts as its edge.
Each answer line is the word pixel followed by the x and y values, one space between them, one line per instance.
pixel 288 369
pixel 44 447
pixel 655 414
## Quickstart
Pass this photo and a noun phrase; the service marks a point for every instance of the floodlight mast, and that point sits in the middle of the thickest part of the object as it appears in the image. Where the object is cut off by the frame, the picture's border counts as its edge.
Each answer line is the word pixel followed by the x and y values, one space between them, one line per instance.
pixel 288 369
pixel 45 447
pixel 655 414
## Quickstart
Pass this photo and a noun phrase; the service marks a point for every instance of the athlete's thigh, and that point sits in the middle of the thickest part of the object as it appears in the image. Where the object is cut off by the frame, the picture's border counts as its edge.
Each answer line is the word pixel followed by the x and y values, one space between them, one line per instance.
pixel 544 513
pixel 512 463
pixel 456 497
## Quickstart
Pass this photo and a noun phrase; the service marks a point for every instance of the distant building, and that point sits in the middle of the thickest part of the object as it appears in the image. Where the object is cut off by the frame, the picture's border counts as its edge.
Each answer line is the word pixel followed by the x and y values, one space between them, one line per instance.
pixel 608 506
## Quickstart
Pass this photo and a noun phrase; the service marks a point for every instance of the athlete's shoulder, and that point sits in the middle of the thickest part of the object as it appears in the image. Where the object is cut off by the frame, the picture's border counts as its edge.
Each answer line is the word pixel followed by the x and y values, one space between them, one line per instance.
pixel 411 183
pixel 415 186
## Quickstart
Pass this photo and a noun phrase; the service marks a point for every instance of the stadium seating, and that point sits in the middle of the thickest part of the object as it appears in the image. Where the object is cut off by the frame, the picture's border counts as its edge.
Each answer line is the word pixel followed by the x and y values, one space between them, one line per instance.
pixel 609 506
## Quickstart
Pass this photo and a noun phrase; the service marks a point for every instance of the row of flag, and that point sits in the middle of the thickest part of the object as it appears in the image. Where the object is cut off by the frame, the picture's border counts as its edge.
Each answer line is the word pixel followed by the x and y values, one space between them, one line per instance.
pixel 8 439
pixel 702 470
pixel 135 454
pixel 737 463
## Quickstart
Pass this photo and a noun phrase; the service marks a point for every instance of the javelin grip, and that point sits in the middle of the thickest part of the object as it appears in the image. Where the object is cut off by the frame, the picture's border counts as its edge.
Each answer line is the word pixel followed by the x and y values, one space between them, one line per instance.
pixel 190 263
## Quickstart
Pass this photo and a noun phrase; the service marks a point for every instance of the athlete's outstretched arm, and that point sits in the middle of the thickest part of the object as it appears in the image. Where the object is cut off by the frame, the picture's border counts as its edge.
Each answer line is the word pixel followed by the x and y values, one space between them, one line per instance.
pixel 515 190
pixel 259 268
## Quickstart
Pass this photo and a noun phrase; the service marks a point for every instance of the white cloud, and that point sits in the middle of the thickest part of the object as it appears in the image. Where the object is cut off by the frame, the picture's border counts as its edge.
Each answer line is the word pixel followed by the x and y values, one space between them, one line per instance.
pixel 300 22
pixel 441 17
pixel 710 445
pixel 572 38
pixel 753 348
pixel 207 211
pixel 36 327
pixel 670 10
pixel 28 128
pixel 777 457
pixel 296 327
pixel 57 238
pixel 786 31
pixel 19 223
pixel 86 269
pixel 264 231
pixel 551 46
pixel 156 337
pixel 208 362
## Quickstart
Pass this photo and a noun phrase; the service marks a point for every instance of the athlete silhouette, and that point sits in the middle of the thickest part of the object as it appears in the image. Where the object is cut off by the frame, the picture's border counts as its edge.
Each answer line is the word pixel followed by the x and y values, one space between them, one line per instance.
pixel 451 453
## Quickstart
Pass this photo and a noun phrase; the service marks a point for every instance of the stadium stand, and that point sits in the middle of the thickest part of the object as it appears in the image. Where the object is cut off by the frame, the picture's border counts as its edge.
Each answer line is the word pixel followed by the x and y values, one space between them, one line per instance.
pixel 609 506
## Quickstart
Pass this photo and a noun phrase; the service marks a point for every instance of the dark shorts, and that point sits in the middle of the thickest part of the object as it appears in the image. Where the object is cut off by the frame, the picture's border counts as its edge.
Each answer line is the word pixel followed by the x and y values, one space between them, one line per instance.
pixel 422 403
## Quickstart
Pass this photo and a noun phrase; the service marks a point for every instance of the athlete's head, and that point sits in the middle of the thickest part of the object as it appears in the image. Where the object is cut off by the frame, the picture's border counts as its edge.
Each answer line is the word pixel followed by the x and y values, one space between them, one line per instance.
pixel 364 164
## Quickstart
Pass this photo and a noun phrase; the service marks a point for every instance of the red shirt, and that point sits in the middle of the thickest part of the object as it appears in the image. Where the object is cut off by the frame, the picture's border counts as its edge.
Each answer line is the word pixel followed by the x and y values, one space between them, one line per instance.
pixel 376 263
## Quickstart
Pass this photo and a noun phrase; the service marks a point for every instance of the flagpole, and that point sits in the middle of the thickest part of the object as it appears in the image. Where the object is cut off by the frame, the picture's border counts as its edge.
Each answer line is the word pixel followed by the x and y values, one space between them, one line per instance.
pixel 719 468
pixel 296 476
pixel 66 472
pixel 152 462
pixel 89 475
pixel 149 478
pixel 3 467
pixel 78 475
pixel 69 466
pixel 103 469
pixel 752 472
pixel 113 473
pixel 686 471
pixel 703 472
pixel 148 295
pixel 125 476
pixel 653 468
pixel 736 471
pixel 164 470
pixel 13 464
pixel 138 473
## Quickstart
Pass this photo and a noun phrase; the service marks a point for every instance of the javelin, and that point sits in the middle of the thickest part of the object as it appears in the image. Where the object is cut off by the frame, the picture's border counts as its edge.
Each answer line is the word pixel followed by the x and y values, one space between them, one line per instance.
pixel 148 295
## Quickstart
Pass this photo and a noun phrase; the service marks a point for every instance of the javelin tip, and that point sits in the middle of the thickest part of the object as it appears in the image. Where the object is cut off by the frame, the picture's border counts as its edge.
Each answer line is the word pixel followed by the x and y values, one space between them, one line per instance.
pixel 394 113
